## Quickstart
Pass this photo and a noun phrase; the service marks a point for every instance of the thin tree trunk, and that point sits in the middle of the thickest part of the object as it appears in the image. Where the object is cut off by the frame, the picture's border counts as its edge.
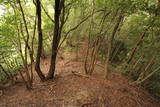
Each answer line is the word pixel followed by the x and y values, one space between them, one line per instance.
pixel 110 43
pixel 136 63
pixel 142 77
pixel 139 42
pixel 87 71
pixel 26 45
pixel 147 77
pixel 21 54
pixel 32 48
pixel 24 59
pixel 135 49
pixel 6 73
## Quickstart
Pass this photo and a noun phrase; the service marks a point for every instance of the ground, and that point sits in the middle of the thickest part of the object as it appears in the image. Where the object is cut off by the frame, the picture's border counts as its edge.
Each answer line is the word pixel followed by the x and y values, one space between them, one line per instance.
pixel 72 88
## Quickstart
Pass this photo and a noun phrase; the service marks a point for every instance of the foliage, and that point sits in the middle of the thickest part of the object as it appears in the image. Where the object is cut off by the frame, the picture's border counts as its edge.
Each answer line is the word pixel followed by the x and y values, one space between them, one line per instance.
pixel 101 19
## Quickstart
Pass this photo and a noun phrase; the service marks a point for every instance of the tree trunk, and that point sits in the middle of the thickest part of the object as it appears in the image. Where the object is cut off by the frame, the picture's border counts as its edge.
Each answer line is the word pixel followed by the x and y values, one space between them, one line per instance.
pixel 56 38
pixel 40 42
pixel 32 48
pixel 6 73
pixel 29 83
pixel 110 44
pixel 143 75
pixel 135 49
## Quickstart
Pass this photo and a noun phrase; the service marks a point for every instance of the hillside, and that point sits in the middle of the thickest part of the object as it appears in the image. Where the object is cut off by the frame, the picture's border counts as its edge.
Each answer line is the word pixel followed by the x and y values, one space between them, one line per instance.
pixel 72 88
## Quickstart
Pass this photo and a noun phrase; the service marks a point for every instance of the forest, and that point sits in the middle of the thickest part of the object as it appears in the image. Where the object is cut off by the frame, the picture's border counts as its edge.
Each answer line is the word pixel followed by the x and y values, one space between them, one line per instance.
pixel 79 53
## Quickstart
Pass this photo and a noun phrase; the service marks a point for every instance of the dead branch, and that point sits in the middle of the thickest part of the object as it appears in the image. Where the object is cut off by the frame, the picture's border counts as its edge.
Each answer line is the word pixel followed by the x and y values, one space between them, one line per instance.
pixel 79 75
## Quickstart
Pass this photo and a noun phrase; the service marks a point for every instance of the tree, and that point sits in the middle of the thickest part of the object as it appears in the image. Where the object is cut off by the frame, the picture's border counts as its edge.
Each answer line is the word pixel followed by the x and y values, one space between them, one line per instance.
pixel 59 6
pixel 40 41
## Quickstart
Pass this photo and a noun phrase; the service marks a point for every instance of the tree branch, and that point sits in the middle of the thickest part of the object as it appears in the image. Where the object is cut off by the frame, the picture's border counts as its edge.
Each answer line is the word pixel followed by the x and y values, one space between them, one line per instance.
pixel 72 29
pixel 47 13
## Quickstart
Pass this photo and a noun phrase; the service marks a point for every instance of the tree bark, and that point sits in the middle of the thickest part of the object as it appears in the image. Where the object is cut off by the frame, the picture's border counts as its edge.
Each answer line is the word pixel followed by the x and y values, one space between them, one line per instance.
pixel 32 48
pixel 40 42
pixel 6 73
pixel 56 39
pixel 29 83
pixel 135 49
pixel 110 44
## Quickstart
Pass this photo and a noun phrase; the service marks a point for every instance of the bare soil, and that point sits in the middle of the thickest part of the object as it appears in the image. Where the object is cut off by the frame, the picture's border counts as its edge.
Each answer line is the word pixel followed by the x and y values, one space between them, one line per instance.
pixel 72 88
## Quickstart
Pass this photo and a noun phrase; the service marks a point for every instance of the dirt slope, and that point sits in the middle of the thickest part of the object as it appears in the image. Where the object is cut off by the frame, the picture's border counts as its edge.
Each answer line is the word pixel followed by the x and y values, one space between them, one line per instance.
pixel 71 90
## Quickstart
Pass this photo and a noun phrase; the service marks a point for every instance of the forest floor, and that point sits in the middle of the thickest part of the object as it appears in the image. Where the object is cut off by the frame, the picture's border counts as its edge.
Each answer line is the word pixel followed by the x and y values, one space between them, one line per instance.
pixel 71 88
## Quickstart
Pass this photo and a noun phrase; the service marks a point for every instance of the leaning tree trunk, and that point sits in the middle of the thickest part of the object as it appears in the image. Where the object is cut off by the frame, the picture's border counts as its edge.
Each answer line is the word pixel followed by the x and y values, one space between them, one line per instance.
pixel 134 50
pixel 5 72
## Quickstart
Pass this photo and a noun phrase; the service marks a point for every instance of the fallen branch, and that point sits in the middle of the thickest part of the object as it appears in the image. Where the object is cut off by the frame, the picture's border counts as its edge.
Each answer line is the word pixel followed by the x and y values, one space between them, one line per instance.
pixel 79 75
